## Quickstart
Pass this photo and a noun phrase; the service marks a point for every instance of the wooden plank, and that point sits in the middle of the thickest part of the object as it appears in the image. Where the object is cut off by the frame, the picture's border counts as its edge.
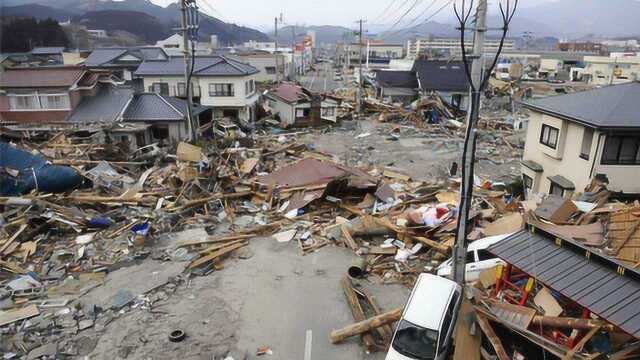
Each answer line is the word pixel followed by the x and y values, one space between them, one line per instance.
pixel 13 238
pixel 214 255
pixel 467 345
pixel 569 355
pixel 356 311
pixel 348 240
pixel 8 317
pixel 385 331
pixel 492 337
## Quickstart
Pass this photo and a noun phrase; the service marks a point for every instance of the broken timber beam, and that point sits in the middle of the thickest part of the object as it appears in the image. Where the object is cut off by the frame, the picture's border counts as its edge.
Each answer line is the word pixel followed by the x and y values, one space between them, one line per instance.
pixel 356 311
pixel 492 337
pixel 346 332
pixel 571 323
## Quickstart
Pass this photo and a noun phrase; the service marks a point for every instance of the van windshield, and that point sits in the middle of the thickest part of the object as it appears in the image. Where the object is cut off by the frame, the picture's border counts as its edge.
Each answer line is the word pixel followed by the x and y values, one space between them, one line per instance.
pixel 415 342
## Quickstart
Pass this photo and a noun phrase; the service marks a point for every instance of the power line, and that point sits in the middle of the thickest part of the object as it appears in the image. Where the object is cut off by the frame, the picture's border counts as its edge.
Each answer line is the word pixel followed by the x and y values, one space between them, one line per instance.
pixel 421 13
pixel 384 11
pixel 425 21
pixel 392 13
pixel 413 6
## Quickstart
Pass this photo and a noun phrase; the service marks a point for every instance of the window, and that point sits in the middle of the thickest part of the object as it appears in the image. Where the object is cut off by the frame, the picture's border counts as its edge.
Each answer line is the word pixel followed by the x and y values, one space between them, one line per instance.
pixel 485 255
pixel 621 150
pixel 39 101
pixel 587 139
pixel 556 189
pixel 249 87
pixel 160 132
pixel 447 322
pixel 471 257
pixel 549 136
pixel 302 112
pixel 160 88
pixel 328 111
pixel 182 89
pixel 24 102
pixel 527 182
pixel 221 90
pixel 270 69
pixel 55 101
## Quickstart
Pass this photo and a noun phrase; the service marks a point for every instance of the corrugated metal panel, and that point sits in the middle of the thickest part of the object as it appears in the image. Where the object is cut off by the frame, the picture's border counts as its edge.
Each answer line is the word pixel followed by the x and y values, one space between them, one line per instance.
pixel 590 283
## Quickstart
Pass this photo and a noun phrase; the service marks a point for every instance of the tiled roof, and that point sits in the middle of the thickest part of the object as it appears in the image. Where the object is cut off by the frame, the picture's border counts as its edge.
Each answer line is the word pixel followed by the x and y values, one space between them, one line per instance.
pixel 47 50
pixel 151 107
pixel 441 75
pixel 63 76
pixel 104 56
pixel 204 66
pixel 609 107
pixel 593 281
pixel 400 79
pixel 290 92
pixel 104 107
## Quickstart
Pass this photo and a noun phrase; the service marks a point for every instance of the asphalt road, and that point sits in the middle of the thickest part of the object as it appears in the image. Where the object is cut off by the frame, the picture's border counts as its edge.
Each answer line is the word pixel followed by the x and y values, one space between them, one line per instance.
pixel 321 80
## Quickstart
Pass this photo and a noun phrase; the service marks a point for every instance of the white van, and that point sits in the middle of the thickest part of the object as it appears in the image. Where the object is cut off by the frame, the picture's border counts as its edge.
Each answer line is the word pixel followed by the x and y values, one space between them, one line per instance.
pixel 428 320
pixel 478 259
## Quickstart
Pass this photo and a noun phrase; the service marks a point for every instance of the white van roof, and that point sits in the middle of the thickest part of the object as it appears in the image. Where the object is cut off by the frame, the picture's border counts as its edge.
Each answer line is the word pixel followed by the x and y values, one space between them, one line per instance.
pixel 429 301
pixel 486 242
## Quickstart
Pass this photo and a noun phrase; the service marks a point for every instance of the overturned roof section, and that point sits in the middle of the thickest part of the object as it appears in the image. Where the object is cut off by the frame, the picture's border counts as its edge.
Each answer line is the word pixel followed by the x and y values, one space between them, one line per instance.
pixel 310 171
pixel 610 107
pixel 290 93
pixel 398 79
pixel 204 66
pixel 62 76
pixel 441 75
pixel 592 281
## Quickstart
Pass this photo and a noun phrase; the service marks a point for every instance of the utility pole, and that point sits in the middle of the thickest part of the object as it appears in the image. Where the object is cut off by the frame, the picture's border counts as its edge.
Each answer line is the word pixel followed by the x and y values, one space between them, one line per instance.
pixel 466 187
pixel 275 52
pixel 293 53
pixel 189 31
pixel 359 103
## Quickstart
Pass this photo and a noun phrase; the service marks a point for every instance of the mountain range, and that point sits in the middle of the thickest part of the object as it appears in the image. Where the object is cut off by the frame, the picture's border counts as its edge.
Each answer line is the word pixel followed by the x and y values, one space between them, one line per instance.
pixel 139 17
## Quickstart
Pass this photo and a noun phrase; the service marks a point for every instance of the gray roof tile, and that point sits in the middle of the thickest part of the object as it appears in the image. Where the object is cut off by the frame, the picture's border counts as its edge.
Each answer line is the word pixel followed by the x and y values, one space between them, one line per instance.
pixel 151 107
pixel 204 65
pixel 104 107
pixel 609 107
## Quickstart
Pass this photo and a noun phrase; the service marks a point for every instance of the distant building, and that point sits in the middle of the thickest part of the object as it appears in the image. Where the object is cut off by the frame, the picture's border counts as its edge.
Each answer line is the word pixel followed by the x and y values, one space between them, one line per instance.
pixel 174 46
pixel 451 46
pixel 266 63
pixel 123 61
pixel 98 34
pixel 603 70
pixel 574 138
pixel 581 46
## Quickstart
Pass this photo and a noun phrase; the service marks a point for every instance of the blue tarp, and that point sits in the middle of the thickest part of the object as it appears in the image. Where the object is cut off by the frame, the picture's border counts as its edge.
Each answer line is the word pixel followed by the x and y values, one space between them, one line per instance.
pixel 34 172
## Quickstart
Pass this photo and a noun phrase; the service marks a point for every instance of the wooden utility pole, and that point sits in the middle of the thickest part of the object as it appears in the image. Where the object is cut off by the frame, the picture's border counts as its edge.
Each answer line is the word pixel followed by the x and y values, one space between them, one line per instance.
pixel 293 53
pixel 275 52
pixel 468 156
pixel 187 31
pixel 359 103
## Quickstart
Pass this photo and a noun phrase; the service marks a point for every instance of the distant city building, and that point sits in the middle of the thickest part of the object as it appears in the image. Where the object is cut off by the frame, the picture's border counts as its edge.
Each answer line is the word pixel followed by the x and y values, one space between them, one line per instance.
pixel 97 33
pixel 452 46
pixel 581 46
pixel 609 70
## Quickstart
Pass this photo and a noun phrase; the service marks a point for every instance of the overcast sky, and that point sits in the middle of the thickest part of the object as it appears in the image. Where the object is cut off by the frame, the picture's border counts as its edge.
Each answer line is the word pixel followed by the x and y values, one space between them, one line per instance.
pixel 260 13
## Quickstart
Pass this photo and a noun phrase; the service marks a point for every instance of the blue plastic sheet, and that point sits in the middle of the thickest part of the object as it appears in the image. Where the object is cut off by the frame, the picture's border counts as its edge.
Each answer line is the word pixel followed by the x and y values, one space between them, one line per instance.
pixel 34 172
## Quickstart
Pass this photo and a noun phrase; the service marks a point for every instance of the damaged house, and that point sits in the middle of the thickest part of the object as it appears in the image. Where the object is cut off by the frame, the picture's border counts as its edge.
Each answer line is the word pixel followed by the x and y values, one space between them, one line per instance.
pixel 123 61
pixel 228 86
pixel 46 95
pixel 427 77
pixel 295 105
pixel 574 138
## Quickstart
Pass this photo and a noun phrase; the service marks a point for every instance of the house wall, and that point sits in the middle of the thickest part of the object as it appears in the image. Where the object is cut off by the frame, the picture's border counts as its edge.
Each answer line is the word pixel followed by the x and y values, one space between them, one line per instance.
pixel 622 178
pixel 173 84
pixel 38 116
pixel 285 111
pixel 565 160
pixel 261 62
pixel 601 69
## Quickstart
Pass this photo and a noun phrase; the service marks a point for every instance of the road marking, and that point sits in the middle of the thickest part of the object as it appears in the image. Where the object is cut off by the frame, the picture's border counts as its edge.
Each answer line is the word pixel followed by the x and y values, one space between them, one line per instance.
pixel 307 345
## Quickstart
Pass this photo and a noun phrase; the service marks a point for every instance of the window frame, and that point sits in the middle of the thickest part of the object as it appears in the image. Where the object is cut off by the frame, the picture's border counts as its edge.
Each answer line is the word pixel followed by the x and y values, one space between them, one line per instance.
pixel 221 90
pixel 161 86
pixel 37 103
pixel 547 142
pixel 325 111
pixel 526 178
pixel 554 185
pixel 619 144
pixel 583 154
